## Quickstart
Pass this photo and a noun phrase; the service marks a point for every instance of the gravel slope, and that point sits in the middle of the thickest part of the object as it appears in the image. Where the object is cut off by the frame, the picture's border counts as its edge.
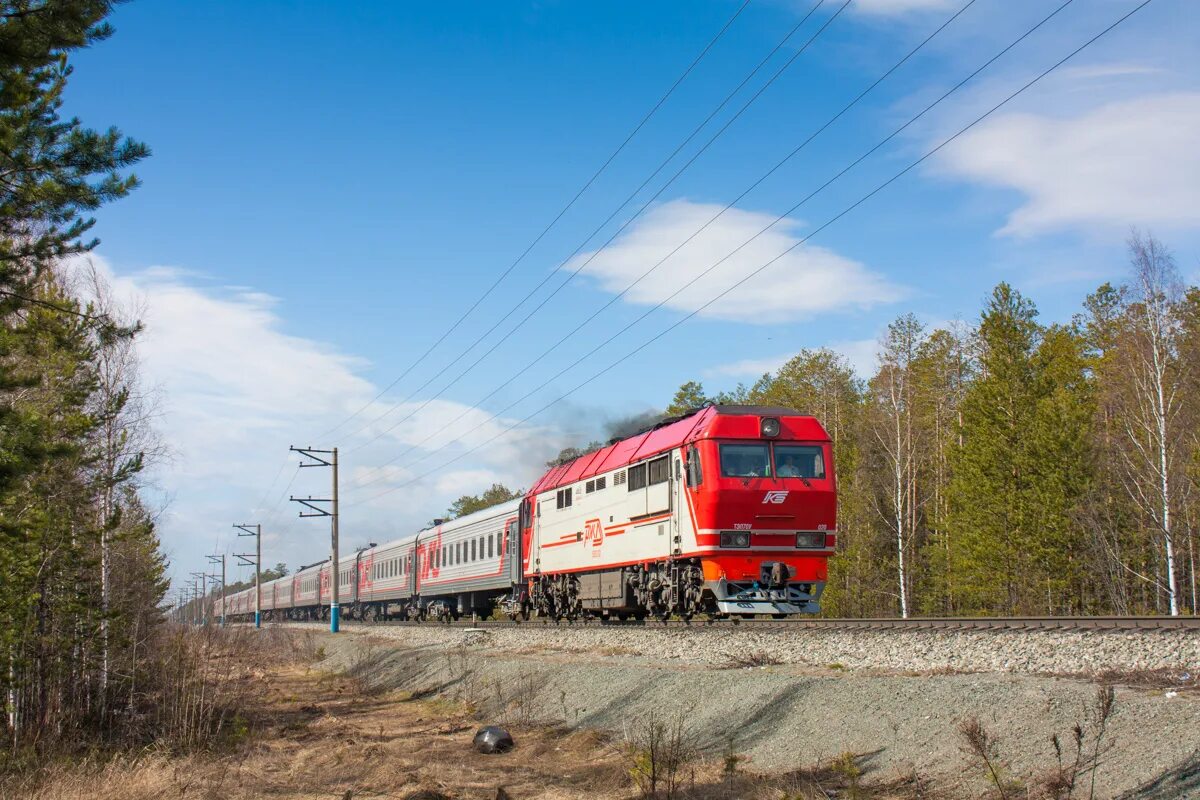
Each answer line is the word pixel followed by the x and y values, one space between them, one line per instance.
pixel 879 701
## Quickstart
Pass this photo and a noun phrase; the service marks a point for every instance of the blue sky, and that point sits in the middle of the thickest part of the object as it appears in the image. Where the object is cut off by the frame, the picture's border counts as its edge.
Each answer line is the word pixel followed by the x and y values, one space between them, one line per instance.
pixel 332 184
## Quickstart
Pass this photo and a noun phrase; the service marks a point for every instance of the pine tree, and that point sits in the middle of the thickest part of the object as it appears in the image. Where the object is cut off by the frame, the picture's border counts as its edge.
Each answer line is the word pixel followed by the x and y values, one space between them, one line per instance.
pixel 55 171
pixel 990 503
pixel 689 397
pixel 494 495
pixel 943 370
pixel 1022 465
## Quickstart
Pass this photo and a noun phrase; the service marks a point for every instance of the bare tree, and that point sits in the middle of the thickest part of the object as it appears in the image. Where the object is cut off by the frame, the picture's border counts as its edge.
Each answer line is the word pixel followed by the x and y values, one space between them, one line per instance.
pixel 893 427
pixel 1152 397
pixel 126 441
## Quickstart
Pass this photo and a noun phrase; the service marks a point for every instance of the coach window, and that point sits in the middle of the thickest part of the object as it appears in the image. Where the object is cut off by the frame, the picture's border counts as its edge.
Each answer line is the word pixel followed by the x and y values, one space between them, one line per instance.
pixel 659 470
pixel 745 461
pixel 637 477
pixel 600 483
pixel 472 549
pixel 491 544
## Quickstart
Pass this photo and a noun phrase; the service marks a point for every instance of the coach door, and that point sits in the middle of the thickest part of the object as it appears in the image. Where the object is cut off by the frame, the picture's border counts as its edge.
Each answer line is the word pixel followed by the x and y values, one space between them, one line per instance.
pixel 413 586
pixel 512 551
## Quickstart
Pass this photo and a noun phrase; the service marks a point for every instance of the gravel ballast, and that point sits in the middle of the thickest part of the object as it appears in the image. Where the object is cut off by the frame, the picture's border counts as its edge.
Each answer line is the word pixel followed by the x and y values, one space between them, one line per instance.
pixel 1052 652
pixel 895 699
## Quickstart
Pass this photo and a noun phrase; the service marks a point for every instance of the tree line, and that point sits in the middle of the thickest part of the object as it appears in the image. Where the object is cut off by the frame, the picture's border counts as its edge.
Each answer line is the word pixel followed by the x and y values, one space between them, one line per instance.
pixel 81 572
pixel 1010 466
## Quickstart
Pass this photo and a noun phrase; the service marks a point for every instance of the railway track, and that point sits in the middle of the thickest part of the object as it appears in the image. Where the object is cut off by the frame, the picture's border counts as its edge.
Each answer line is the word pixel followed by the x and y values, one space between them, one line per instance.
pixel 916 623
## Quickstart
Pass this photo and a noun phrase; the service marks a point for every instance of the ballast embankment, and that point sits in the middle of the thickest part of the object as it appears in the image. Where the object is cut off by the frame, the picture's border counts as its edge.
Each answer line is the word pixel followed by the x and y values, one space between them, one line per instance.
pixel 895 703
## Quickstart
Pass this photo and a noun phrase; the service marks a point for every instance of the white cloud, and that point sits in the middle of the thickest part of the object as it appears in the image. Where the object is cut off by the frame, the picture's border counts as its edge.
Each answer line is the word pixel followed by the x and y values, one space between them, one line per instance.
pixel 1128 162
pixel 748 367
pixel 807 281
pixel 861 354
pixel 895 7
pixel 1092 72
pixel 238 390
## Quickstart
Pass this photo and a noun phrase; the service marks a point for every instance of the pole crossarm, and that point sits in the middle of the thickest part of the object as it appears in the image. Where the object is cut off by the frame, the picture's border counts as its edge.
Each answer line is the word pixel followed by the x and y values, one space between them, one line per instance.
pixel 317 456
pixel 317 510
pixel 246 559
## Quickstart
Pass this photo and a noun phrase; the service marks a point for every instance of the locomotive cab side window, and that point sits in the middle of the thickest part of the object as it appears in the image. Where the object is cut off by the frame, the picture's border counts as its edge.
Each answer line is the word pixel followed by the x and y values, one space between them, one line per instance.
pixel 745 461
pixel 695 474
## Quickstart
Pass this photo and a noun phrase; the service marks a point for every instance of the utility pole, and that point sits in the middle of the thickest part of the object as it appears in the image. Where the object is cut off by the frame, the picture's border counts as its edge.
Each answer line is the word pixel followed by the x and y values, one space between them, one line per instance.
pixel 320 459
pixel 203 578
pixel 221 560
pixel 244 530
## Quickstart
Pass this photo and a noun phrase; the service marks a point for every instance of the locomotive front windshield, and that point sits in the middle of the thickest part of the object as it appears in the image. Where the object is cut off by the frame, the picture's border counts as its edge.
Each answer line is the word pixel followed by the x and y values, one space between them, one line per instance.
pixel 799 461
pixel 755 461
pixel 745 460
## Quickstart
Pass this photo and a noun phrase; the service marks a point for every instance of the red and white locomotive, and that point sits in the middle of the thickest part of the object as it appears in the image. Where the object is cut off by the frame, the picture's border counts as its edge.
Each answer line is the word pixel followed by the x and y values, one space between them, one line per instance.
pixel 729 510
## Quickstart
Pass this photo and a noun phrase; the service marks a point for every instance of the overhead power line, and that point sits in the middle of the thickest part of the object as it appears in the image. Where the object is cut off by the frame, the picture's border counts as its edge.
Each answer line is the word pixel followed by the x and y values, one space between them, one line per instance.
pixel 778 165
pixel 587 184
pixel 928 154
pixel 629 221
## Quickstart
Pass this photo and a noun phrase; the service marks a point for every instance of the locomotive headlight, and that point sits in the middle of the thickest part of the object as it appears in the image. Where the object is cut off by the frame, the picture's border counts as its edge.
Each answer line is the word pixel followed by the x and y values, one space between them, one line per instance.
pixel 769 427
pixel 810 539
pixel 735 539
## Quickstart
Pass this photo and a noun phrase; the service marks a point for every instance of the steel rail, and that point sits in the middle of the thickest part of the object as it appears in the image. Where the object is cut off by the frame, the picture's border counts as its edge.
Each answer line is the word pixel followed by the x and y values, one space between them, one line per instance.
pixel 1006 624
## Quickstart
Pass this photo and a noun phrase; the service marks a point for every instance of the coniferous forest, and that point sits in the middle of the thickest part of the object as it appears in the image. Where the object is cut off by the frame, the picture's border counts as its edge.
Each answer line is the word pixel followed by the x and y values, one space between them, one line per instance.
pixel 81 572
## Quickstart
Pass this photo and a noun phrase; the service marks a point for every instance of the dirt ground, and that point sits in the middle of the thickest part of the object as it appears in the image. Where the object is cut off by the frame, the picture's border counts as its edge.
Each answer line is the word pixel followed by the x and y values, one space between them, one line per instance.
pixel 313 734
pixel 362 717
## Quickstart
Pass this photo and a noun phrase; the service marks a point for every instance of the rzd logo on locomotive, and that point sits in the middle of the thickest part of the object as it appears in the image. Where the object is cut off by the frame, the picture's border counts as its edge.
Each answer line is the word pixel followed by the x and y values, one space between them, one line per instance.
pixel 776 497
pixel 593 532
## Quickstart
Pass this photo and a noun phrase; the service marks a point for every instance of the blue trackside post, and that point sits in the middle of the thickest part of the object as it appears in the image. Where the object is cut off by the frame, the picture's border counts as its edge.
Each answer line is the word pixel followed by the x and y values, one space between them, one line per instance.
pixel 258 619
pixel 334 613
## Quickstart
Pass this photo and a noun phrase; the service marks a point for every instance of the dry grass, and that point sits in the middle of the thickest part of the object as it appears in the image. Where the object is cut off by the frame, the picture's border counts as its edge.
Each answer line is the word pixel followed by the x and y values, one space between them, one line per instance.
pixel 752 659
pixel 1167 680
pixel 1071 777
pixel 315 735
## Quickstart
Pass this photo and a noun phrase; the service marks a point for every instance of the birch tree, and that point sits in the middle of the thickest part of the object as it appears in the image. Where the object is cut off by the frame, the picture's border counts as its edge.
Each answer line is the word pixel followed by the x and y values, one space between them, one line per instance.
pixel 1151 394
pixel 893 427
